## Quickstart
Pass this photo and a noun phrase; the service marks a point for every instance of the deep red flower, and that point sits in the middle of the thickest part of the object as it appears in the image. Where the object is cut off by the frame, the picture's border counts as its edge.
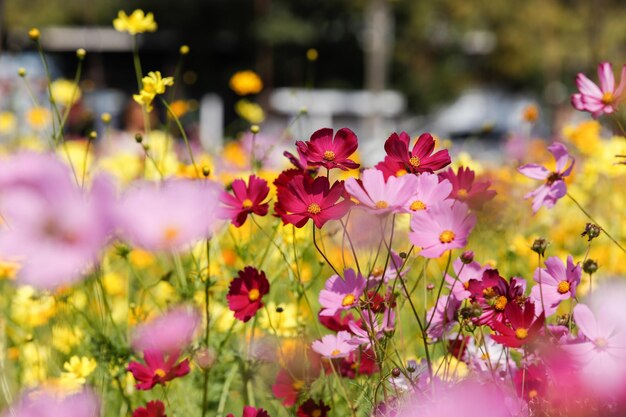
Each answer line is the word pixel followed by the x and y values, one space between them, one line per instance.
pixel 323 150
pixel 464 189
pixel 158 369
pixel 302 199
pixel 310 408
pixel 523 327
pixel 359 362
pixel 252 412
pixel 494 293
pixel 246 293
pixel 300 371
pixel 400 160
pixel 287 387
pixel 336 323
pixel 246 199
pixel 152 409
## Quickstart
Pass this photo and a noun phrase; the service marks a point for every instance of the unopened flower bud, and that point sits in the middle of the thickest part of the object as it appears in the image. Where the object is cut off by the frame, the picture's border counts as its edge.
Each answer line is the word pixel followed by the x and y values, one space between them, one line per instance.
pixel 304 110
pixel 184 50
pixel 255 129
pixel 402 255
pixel 145 147
pixel 21 72
pixel 80 53
pixel 312 54
pixel 467 257
pixel 539 246
pixel 206 171
pixel 138 137
pixel 430 287
pixel 396 373
pixel 34 34
pixel 92 135
pixel 592 231
pixel 106 118
pixel 590 266
pixel 205 358
pixel 279 309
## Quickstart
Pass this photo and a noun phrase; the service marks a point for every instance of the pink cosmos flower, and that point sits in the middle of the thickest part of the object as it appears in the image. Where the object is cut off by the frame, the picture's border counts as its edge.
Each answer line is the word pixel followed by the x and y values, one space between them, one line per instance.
pixel 45 403
pixel 443 316
pixel 459 286
pixel 51 227
pixel 554 188
pixel 169 216
pixel 171 332
pixel 400 160
pixel 323 150
pixel 252 412
pixel 473 193
pixel 442 228
pixel 381 196
pixel 159 369
pixel 341 294
pixel 493 293
pixel 334 346
pixel 556 283
pixel 246 199
pixel 301 199
pixel 430 191
pixel 371 325
pixel 598 100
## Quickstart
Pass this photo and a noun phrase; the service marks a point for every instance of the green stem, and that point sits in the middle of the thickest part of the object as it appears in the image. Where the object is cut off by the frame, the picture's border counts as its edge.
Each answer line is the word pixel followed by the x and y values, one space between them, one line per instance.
pixel 596 223
pixel 183 134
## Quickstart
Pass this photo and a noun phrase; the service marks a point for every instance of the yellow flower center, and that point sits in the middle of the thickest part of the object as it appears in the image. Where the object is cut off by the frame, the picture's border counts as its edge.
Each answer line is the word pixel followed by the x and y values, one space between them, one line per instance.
pixel 461 194
pixel 377 272
pixel 298 384
pixel 563 287
pixel 466 285
pixel 447 236
pixel 159 372
pixel 532 393
pixel 417 205
pixel 314 208
pixel 500 303
pixel 401 172
pixel 335 352
pixel 601 342
pixel 170 234
pixel 316 413
pixel 348 300
pixel 414 161
pixel 247 203
pixel 607 98
pixel 254 294
pixel 382 204
pixel 329 155
pixel 488 292
pixel 521 333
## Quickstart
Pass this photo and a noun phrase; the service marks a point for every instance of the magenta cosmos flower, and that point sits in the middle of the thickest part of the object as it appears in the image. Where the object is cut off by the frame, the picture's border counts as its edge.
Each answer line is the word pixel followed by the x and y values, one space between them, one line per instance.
pixel 51 227
pixel 245 295
pixel 603 99
pixel 381 196
pixel 170 332
pixel 442 228
pixel 334 346
pixel 400 159
pixel 522 326
pixel 341 294
pixel 246 199
pixel 554 188
pixel 169 216
pixel 459 286
pixel 556 283
pixel 159 369
pixel 252 412
pixel 429 192
pixel 152 409
pixel 323 150
pixel 302 199
pixel 48 403
pixel 473 193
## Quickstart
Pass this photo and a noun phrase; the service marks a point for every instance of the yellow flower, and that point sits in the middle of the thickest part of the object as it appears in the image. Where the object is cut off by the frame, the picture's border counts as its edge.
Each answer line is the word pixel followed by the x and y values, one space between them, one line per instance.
pixel 250 111
pixel 140 258
pixel 246 82
pixel 137 22
pixel 585 136
pixel 8 269
pixel 65 92
pixel 31 309
pixel 179 108
pixel 153 84
pixel 38 117
pixel 283 319
pixel 65 338
pixel 8 122
pixel 79 368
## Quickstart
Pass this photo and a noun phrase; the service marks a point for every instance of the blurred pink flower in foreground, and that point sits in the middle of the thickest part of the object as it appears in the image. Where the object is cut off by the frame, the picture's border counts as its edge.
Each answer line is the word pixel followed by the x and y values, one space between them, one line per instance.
pixel 51 227
pixel 603 99
pixel 52 404
pixel 169 216
pixel 171 332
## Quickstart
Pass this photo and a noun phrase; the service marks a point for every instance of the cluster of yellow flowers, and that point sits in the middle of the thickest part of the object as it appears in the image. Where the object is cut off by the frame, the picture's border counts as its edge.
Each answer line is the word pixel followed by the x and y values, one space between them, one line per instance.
pixel 152 85
pixel 137 22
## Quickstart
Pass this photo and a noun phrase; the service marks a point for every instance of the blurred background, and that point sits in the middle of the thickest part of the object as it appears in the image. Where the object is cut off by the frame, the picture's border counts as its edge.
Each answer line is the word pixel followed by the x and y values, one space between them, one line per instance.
pixel 466 70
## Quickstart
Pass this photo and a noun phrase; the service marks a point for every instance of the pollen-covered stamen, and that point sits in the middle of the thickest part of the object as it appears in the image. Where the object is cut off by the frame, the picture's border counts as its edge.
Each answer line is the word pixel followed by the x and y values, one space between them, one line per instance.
pixel 601 342
pixel 417 205
pixel 335 352
pixel 563 287
pixel 329 155
pixel 489 292
pixel 254 294
pixel 607 98
pixel 159 372
pixel 316 413
pixel 447 236
pixel 521 333
pixel 298 384
pixel 348 300
pixel 462 194
pixel 500 303
pixel 414 161
pixel 382 204
pixel 247 203
pixel 314 208
pixel 170 234
pixel 401 172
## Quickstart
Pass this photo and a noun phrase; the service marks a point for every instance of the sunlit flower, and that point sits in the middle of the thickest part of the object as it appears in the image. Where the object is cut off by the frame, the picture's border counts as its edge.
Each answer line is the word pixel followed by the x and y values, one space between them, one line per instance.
pixel 38 117
pixel 152 409
pixel 249 111
pixel 429 192
pixel 152 85
pixel 334 346
pixel 341 293
pixel 555 283
pixel 523 326
pixel 382 196
pixel 159 369
pixel 246 199
pixel 328 152
pixel 246 82
pixel 65 92
pixel 465 189
pixel 245 295
pixel 400 160
pixel 79 368
pixel 598 100
pixel 137 22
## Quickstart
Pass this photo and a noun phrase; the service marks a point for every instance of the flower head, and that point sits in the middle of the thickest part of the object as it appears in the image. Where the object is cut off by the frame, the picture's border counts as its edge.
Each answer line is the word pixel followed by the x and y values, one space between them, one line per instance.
pixel 429 192
pixel 554 188
pixel 493 293
pixel 246 82
pixel 465 189
pixel 555 283
pixel 245 295
pixel 442 228
pixel 311 408
pixel 382 196
pixel 44 403
pixel 246 199
pixel 170 332
pixel 323 150
pixel 334 346
pixel 341 294
pixel 152 85
pixel 523 326
pixel 152 409
pixel 158 369
pixel 598 100
pixel 137 22
pixel 400 160
pixel 459 286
